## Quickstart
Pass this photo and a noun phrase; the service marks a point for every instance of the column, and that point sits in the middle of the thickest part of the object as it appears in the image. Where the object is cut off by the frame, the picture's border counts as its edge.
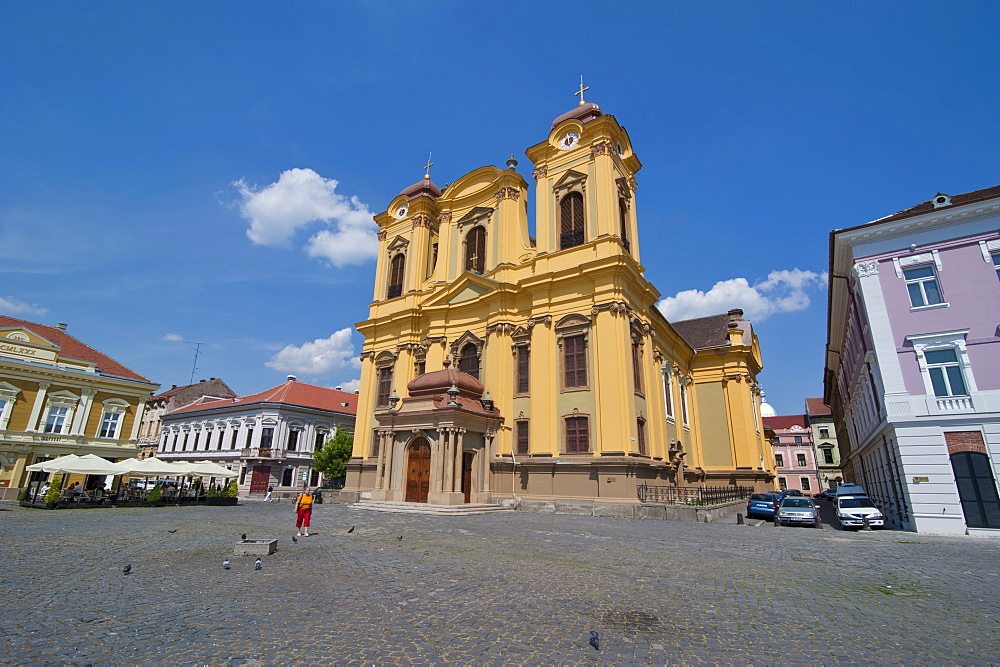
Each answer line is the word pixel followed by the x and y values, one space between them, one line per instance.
pixel 457 463
pixel 82 412
pixel 435 458
pixel 380 461
pixel 487 457
pixel 449 470
pixel 390 442
pixel 36 408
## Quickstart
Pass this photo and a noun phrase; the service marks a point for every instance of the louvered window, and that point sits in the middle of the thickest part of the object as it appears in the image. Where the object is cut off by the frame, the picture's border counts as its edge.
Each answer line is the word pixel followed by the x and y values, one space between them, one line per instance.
pixel 522 436
pixel 623 222
pixel 468 360
pixel 577 435
pixel 384 386
pixel 571 221
pixel 522 368
pixel 396 270
pixel 475 250
pixel 575 361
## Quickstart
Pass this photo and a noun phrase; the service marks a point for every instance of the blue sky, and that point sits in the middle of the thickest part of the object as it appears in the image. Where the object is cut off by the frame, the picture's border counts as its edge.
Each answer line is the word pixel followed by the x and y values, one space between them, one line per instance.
pixel 141 142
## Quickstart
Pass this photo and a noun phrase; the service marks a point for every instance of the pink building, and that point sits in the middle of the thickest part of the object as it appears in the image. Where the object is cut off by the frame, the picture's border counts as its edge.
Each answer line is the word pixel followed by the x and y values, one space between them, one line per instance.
pixel 794 458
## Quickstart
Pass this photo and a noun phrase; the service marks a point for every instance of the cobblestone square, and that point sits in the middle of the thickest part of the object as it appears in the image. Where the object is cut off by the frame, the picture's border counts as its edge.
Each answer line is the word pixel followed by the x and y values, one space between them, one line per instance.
pixel 505 588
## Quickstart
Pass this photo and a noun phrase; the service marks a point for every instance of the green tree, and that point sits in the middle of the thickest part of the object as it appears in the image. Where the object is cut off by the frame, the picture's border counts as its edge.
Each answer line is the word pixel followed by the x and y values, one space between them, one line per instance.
pixel 331 458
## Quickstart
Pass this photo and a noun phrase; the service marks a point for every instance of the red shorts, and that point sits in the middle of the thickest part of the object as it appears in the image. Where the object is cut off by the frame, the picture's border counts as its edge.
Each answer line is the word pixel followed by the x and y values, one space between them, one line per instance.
pixel 302 516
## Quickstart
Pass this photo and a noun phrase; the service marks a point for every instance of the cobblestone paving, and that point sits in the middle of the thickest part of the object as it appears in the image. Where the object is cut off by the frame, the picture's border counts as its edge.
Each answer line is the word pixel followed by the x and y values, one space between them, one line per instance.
pixel 508 588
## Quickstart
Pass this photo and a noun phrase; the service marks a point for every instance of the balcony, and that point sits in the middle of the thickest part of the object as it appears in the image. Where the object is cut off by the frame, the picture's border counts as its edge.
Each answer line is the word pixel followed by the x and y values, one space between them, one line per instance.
pixel 31 438
pixel 951 404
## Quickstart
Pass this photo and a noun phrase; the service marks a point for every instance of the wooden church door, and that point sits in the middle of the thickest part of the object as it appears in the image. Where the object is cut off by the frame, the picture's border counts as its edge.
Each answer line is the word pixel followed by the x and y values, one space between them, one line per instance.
pixel 418 472
pixel 467 458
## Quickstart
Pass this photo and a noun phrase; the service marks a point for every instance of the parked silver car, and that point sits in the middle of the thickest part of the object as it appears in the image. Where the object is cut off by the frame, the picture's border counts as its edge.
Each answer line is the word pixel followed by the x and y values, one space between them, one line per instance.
pixel 797 511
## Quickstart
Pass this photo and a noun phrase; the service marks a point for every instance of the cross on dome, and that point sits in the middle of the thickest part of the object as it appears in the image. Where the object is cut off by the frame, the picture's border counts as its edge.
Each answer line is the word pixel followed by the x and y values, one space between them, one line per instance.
pixel 580 92
pixel 427 167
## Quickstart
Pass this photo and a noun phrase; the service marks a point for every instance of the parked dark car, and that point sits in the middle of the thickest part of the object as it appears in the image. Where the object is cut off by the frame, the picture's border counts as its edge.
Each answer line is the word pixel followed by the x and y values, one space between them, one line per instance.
pixel 829 494
pixel 762 505
pixel 794 511
pixel 792 492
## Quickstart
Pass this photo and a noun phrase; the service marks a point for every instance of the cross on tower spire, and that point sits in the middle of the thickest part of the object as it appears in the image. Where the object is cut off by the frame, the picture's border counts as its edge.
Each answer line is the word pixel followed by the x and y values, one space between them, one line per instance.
pixel 427 167
pixel 580 92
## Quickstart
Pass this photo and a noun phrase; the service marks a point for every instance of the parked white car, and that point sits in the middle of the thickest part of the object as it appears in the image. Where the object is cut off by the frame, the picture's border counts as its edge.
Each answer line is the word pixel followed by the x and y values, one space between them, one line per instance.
pixel 852 510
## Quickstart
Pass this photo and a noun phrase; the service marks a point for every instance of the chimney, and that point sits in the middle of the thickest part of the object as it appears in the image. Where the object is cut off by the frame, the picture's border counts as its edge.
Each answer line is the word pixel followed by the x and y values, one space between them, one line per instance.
pixel 291 378
pixel 357 391
pixel 337 388
pixel 61 326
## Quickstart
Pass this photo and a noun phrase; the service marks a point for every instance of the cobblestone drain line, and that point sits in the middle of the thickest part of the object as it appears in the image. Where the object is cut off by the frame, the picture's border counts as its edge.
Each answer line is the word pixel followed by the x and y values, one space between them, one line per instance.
pixel 494 589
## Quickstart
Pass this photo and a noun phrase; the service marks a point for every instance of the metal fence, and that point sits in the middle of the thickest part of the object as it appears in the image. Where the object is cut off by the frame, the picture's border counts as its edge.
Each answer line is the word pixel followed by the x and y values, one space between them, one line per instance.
pixel 700 495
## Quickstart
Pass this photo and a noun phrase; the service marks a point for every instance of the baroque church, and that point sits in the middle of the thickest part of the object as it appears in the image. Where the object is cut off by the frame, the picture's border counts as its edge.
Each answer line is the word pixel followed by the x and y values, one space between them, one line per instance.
pixel 499 367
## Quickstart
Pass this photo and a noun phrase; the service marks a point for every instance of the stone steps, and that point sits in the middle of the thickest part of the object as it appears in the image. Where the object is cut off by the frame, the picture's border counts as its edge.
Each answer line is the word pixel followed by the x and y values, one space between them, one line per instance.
pixel 424 508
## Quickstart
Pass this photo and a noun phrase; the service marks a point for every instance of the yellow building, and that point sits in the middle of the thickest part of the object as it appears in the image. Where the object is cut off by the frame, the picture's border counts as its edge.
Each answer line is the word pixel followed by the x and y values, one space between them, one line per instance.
pixel 59 396
pixel 589 391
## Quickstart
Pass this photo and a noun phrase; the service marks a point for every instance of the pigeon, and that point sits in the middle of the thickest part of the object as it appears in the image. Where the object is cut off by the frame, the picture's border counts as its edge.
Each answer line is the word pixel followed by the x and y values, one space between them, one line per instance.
pixel 244 537
pixel 352 529
pixel 294 539
pixel 172 531
pixel 595 640
pixel 225 564
pixel 127 569
pixel 400 538
pixel 257 565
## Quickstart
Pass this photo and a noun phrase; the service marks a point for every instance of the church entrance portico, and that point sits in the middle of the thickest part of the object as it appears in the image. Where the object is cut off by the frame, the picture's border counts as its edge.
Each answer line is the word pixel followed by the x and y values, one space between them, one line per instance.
pixel 437 446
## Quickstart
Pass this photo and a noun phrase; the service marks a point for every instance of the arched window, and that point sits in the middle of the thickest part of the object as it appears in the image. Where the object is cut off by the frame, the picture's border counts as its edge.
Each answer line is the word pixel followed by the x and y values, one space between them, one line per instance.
pixel 468 360
pixel 475 250
pixel 623 221
pixel 396 269
pixel 571 221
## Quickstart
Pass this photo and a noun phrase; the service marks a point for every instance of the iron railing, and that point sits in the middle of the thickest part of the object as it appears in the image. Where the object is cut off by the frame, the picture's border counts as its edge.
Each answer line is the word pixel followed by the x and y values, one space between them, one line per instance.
pixel 698 495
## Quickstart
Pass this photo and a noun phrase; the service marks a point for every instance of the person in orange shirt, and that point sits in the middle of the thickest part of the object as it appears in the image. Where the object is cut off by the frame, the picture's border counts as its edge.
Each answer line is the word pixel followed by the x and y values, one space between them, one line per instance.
pixel 303 511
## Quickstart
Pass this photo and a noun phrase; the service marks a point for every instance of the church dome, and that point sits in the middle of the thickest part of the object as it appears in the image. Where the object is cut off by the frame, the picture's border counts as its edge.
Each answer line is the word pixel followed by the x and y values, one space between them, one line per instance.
pixel 584 113
pixel 438 382
pixel 423 188
pixel 765 408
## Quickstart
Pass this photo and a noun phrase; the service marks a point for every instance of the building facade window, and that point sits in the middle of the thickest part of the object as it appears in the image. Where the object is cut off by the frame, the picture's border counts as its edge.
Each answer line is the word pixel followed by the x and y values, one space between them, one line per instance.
pixel 996 263
pixel 234 440
pixel 922 285
pixel 684 403
pixel 575 361
pixel 468 360
pixel 782 483
pixel 249 440
pixel 800 460
pixel 577 434
pixel 397 269
pixel 824 433
pixel 804 481
pixel 293 440
pixel 945 372
pixel 521 435
pixel 827 455
pixel 522 369
pixel 668 392
pixel 384 375
pixel 571 221
pixel 779 460
pixel 475 250
pixel 266 437
pixel 110 423
pixel 56 421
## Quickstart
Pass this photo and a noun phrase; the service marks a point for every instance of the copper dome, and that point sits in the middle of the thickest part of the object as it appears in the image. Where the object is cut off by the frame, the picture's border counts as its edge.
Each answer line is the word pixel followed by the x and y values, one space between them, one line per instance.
pixel 438 382
pixel 423 188
pixel 583 113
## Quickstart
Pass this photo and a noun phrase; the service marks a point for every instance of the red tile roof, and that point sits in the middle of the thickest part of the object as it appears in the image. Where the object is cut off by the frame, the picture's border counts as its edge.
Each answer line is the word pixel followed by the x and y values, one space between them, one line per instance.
pixel 189 392
pixel 291 392
pixel 815 407
pixel 785 421
pixel 71 348
pixel 703 332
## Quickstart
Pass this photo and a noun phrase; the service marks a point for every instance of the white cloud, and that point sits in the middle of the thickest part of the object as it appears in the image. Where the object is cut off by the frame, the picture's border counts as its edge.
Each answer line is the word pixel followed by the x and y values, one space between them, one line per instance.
pixel 783 291
pixel 319 358
pixel 176 338
pixel 302 198
pixel 16 306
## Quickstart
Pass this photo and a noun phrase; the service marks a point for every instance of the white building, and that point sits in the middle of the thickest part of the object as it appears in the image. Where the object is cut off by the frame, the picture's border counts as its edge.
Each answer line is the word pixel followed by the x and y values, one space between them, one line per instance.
pixel 269 437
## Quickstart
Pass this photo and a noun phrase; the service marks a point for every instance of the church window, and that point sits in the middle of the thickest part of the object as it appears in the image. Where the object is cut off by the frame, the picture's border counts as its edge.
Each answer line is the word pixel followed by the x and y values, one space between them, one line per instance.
pixel 668 391
pixel 577 434
pixel 684 402
pixel 396 270
pixel 434 256
pixel 475 250
pixel 419 367
pixel 375 442
pixel 384 386
pixel 522 354
pixel 637 365
pixel 575 361
pixel 468 360
pixel 640 432
pixel 521 425
pixel 571 221
pixel 623 221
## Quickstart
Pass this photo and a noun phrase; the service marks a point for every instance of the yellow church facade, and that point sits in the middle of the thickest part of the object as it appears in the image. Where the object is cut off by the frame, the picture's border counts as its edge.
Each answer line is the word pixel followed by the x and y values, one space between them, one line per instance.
pixel 498 366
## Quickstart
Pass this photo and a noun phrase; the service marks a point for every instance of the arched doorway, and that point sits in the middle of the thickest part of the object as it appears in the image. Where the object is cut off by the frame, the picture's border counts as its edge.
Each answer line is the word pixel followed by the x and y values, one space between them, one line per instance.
pixel 418 471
